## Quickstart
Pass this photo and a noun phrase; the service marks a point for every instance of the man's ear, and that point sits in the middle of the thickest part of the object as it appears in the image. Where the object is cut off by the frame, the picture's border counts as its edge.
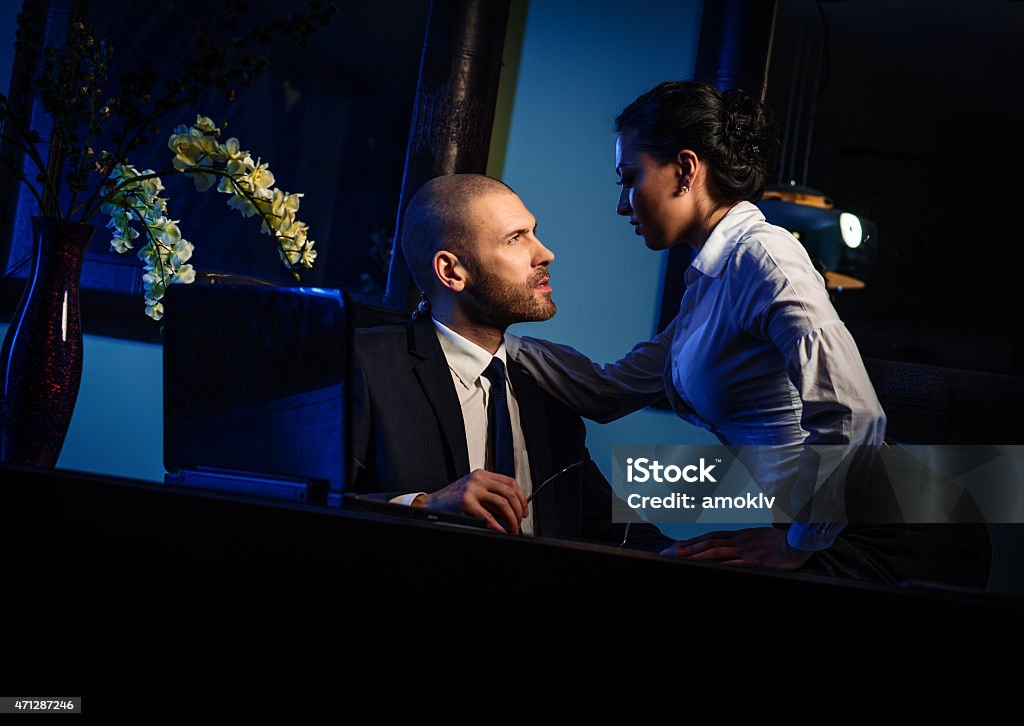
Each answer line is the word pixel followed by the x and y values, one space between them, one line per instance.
pixel 449 271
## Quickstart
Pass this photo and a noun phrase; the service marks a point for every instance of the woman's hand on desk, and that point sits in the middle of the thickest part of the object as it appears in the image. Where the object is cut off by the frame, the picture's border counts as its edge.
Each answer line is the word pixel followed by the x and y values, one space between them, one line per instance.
pixel 482 494
pixel 757 546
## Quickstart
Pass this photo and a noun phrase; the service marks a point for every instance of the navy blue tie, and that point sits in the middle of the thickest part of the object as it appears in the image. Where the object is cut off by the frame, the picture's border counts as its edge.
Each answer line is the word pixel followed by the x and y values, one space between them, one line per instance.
pixel 500 428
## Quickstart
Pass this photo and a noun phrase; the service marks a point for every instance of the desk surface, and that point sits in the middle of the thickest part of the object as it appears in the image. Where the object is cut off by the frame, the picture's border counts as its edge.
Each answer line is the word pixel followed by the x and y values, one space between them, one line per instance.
pixel 130 586
pixel 118 537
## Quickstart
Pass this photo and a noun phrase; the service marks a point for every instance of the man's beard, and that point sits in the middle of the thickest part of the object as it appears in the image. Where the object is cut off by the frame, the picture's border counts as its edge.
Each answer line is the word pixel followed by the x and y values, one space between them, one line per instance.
pixel 499 304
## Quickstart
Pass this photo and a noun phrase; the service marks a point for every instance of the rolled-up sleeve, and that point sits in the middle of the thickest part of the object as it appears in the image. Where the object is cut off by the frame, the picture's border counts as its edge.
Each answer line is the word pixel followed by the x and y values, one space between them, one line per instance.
pixel 599 392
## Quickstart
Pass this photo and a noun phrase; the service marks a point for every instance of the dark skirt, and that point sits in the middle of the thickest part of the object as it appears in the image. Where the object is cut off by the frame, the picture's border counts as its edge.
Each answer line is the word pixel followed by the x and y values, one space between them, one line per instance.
pixel 879 546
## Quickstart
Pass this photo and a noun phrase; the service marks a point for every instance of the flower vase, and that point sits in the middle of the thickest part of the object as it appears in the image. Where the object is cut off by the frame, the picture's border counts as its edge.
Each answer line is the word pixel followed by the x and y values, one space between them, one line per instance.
pixel 41 357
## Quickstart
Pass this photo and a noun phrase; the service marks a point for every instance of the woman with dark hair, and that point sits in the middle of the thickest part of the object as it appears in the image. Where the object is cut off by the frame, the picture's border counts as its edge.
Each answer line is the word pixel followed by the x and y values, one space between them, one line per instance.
pixel 757 354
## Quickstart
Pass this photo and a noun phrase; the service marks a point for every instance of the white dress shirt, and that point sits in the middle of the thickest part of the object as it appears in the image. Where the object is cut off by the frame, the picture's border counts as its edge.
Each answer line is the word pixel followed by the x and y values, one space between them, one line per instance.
pixel 467 362
pixel 757 355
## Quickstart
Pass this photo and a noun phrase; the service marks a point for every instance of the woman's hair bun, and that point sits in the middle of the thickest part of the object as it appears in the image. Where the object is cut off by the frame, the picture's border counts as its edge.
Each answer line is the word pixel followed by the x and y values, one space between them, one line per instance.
pixel 749 130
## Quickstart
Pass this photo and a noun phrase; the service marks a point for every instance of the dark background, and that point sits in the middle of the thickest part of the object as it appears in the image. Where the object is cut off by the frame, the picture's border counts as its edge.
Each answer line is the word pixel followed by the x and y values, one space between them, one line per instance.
pixel 331 118
pixel 918 126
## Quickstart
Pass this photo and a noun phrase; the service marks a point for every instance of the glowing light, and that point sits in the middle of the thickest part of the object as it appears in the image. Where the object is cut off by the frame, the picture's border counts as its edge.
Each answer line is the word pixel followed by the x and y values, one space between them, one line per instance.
pixel 853 233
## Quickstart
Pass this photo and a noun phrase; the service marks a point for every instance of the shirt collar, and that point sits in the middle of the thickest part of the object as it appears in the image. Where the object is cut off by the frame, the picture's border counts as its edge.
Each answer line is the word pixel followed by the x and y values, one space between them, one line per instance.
pixel 466 359
pixel 724 238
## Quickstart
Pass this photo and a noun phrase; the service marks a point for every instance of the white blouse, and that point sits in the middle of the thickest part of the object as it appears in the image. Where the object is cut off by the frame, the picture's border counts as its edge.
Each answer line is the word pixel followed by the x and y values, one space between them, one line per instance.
pixel 757 355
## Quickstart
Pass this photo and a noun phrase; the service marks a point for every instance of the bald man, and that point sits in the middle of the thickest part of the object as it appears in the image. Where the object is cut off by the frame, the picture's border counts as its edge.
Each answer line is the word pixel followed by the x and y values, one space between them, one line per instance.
pixel 442 418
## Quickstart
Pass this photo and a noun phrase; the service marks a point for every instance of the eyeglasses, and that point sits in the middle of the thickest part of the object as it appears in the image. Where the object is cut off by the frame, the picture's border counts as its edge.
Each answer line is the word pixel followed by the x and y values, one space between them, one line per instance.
pixel 574 465
pixel 554 476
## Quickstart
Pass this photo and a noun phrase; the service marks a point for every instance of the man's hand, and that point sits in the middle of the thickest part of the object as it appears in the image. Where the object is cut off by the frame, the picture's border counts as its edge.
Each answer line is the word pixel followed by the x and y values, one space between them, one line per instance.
pixel 481 494
pixel 758 546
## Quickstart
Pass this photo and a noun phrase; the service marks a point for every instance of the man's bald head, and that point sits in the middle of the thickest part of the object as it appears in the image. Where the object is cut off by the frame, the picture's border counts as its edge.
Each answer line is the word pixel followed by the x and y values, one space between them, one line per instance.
pixel 436 219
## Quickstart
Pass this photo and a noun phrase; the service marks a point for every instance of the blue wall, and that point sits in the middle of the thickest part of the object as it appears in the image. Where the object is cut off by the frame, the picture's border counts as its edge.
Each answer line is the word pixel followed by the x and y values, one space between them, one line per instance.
pixel 581 63
pixel 118 425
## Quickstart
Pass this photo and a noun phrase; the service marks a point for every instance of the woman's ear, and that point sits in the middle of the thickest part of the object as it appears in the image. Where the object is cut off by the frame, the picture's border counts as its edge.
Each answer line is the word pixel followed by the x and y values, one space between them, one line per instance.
pixel 449 271
pixel 688 163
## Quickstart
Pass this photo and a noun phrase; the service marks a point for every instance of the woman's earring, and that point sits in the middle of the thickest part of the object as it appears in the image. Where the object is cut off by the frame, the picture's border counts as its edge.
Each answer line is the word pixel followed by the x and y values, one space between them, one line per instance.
pixel 423 308
pixel 684 188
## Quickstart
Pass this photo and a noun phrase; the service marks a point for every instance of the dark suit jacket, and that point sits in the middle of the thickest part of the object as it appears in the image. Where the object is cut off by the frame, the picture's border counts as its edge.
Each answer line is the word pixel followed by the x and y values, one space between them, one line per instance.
pixel 409 436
